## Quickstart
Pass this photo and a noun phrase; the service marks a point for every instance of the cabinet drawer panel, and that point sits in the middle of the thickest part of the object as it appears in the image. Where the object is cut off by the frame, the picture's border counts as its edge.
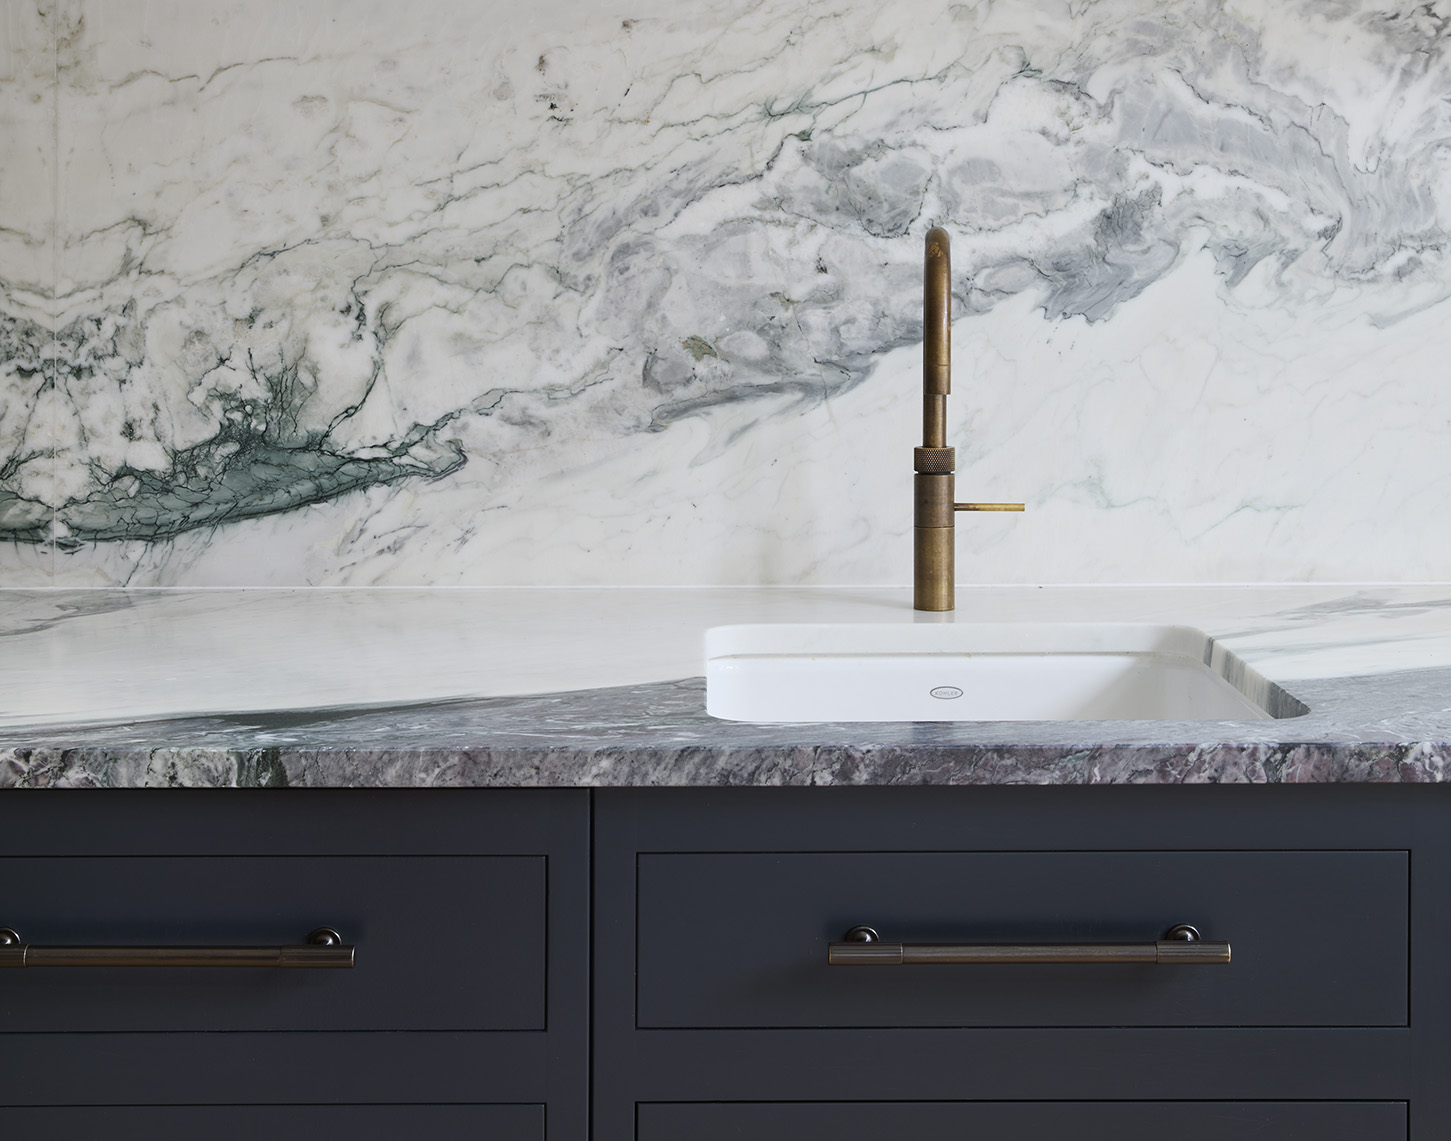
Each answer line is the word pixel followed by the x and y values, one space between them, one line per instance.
pixel 1030 1121
pixel 740 940
pixel 443 942
pixel 279 1123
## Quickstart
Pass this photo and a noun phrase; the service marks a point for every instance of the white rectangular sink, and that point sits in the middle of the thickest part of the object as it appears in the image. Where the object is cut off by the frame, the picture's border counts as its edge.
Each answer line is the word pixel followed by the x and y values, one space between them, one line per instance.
pixel 982 672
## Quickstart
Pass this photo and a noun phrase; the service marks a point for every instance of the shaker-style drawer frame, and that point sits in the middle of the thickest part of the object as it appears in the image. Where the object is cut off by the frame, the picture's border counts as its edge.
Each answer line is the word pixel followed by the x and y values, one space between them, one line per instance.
pixel 468 911
pixel 1028 1121
pixel 403 919
pixel 1309 939
pixel 277 1122
pixel 682 1021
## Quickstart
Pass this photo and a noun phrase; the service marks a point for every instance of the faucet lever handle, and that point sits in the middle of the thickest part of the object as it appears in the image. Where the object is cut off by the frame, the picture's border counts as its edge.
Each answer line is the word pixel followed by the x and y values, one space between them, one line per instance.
pixel 987 507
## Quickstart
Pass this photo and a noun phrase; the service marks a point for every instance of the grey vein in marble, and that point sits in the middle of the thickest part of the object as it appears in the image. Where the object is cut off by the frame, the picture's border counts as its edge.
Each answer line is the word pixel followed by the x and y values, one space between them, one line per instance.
pixel 759 247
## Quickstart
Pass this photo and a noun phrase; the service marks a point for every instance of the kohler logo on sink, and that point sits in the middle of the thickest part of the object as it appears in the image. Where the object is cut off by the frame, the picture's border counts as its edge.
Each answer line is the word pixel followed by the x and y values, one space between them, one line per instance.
pixel 946 692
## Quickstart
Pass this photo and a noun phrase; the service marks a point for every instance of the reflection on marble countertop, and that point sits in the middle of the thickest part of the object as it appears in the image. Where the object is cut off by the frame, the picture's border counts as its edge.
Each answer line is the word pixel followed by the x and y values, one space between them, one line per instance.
pixel 504 687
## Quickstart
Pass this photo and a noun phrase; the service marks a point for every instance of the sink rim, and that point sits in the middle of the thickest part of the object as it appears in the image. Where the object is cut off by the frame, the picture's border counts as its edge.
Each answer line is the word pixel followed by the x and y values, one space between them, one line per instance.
pixel 997 639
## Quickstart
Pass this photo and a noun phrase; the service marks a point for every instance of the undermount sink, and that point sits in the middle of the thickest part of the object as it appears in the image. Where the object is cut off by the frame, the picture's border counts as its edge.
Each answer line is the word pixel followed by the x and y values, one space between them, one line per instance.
pixel 982 672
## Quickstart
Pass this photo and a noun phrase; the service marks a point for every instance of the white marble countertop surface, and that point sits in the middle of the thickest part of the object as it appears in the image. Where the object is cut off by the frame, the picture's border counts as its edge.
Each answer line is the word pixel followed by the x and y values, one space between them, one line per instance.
pixel 578 686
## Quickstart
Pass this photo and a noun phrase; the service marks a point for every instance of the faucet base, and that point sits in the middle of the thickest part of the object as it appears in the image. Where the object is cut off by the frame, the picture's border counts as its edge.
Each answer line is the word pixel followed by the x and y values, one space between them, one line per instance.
pixel 933 538
pixel 932 563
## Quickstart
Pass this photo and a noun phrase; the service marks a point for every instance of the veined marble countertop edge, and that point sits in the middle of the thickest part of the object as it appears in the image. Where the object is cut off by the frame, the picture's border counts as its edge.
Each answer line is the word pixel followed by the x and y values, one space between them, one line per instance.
pixel 115 685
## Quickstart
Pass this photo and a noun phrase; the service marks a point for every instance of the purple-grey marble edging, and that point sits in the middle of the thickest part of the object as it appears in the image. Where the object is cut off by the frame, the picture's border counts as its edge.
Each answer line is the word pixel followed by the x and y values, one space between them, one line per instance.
pixel 802 766
pixel 1385 728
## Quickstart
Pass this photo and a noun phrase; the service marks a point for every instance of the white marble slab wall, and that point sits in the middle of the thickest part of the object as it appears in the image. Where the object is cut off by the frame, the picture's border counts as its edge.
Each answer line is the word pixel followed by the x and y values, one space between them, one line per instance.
pixel 472 292
pixel 28 251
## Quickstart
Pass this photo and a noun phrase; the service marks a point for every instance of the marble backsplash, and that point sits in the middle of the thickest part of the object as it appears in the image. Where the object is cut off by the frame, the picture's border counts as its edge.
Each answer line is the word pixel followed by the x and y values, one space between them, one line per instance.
pixel 464 292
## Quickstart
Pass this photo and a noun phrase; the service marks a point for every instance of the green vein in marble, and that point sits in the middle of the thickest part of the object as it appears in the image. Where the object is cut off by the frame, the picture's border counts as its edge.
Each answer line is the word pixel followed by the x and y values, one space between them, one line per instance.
pixel 203 490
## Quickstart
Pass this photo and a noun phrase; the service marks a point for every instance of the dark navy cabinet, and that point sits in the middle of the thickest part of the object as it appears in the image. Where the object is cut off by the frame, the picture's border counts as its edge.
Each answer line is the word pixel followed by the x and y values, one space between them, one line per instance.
pixel 717 1014
pixel 652 964
pixel 464 1016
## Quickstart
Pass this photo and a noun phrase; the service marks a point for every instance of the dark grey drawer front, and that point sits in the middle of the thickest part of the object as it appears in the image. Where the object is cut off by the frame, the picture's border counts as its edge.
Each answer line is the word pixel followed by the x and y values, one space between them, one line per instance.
pixel 280 1123
pixel 739 940
pixel 1023 1121
pixel 443 942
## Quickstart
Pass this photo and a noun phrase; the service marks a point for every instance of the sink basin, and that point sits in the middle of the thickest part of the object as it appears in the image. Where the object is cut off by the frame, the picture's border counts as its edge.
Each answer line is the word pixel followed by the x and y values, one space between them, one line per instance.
pixel 982 672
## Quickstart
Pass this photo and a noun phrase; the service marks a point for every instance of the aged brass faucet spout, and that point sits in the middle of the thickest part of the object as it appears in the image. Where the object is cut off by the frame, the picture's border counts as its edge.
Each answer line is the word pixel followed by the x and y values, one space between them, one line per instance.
pixel 934 461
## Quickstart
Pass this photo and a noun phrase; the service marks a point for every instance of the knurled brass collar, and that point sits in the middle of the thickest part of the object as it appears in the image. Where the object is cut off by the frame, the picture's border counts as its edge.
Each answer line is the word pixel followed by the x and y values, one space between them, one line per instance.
pixel 934 461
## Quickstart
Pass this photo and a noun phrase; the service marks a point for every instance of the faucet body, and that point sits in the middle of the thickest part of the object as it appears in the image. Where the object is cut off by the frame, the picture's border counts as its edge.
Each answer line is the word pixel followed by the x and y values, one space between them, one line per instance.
pixel 933 535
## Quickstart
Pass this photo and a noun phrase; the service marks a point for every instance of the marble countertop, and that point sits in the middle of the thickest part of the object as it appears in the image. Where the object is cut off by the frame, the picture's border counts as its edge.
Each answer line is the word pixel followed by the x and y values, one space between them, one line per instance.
pixel 511 687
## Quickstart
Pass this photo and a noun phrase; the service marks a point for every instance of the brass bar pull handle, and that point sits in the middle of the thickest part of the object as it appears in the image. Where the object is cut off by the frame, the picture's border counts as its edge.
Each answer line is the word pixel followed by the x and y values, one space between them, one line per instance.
pixel 862 947
pixel 324 948
pixel 987 507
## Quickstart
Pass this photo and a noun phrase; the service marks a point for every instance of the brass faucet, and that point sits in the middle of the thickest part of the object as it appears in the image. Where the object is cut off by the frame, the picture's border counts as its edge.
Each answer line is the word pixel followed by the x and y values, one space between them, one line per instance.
pixel 934 461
